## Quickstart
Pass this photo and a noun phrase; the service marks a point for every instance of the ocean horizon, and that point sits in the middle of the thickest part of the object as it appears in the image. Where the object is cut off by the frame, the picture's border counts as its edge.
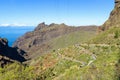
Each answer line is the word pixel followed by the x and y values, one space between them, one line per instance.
pixel 12 33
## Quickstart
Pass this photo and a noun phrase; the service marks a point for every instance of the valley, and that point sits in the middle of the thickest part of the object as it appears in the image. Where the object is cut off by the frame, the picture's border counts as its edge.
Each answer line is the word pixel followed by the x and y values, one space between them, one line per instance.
pixel 62 52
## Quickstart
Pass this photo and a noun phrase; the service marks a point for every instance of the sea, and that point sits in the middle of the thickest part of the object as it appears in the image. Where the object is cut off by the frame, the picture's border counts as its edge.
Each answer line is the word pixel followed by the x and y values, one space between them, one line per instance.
pixel 12 33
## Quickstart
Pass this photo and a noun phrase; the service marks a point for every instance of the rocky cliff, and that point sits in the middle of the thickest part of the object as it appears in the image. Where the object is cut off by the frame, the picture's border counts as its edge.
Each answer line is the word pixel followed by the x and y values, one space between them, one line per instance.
pixel 9 54
pixel 114 19
pixel 37 41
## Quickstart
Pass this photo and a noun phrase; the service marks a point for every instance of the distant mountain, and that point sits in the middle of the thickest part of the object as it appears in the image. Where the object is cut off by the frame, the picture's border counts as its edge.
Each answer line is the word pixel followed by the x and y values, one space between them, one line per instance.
pixel 47 37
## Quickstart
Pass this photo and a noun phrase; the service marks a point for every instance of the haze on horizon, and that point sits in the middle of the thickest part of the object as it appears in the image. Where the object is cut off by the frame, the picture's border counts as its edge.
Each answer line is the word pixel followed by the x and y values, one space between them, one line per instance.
pixel 70 12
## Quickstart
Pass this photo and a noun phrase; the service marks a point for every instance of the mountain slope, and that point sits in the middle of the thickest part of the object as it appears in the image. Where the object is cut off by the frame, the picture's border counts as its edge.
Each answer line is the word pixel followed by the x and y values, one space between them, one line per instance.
pixel 111 36
pixel 9 54
pixel 47 37
pixel 114 19
pixel 98 60
pixel 71 39
pixel 86 61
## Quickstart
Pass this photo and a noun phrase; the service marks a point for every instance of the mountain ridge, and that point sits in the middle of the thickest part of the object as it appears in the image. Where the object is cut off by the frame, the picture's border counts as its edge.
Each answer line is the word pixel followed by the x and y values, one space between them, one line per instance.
pixel 39 39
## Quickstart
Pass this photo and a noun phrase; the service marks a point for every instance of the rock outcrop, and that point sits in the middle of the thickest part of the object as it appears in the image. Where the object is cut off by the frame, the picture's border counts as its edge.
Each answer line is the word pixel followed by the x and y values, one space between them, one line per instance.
pixel 40 26
pixel 9 54
pixel 37 41
pixel 114 19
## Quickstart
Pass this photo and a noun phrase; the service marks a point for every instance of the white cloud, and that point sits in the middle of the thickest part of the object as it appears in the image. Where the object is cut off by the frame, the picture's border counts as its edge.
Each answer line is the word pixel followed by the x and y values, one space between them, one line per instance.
pixel 13 25
pixel 4 25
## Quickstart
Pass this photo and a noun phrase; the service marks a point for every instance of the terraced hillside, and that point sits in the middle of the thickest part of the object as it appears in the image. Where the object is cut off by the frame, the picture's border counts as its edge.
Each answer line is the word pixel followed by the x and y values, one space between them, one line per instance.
pixel 86 61
pixel 77 62
pixel 93 61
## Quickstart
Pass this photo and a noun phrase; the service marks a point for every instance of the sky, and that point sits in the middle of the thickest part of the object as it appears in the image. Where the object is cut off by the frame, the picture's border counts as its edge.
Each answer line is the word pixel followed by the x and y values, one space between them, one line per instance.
pixel 70 12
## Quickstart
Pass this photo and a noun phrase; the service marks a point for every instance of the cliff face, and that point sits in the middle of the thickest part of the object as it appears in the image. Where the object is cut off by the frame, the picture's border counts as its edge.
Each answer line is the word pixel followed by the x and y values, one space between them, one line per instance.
pixel 114 19
pixel 37 41
pixel 9 54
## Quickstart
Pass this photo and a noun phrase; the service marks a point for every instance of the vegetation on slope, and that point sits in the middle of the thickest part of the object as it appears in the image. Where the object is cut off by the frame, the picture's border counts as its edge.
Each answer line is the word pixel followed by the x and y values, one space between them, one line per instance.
pixel 48 37
pixel 111 36
pixel 97 60
pixel 17 71
pixel 71 39
pixel 86 61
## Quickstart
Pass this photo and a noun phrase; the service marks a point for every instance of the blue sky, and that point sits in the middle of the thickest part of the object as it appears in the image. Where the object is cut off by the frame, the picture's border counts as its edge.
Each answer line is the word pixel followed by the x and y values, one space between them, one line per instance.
pixel 71 12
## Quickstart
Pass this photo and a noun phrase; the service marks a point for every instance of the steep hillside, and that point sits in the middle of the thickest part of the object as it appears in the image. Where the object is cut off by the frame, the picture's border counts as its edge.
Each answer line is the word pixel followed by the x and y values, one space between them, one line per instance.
pixel 77 62
pixel 71 39
pixel 98 59
pixel 114 19
pixel 111 36
pixel 48 37
pixel 9 54
pixel 93 61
